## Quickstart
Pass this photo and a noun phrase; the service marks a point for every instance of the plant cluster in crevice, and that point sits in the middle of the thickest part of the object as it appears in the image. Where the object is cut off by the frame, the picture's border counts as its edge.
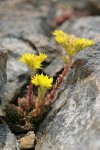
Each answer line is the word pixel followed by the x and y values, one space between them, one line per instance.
pixel 32 108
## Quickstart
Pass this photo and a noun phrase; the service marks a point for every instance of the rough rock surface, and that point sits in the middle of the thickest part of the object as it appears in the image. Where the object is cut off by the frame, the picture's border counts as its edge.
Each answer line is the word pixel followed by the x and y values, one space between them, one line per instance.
pixel 3 78
pixel 17 73
pixel 74 120
pixel 84 27
pixel 7 139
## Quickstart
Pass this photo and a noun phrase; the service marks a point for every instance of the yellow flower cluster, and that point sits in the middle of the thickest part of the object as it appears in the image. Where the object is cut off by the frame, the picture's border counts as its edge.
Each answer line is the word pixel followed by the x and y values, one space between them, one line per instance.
pixel 70 43
pixel 42 80
pixel 33 61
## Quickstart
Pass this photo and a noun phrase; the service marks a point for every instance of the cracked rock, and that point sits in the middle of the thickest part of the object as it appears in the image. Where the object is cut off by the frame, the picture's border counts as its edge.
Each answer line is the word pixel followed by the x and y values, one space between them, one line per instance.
pixel 7 139
pixel 74 120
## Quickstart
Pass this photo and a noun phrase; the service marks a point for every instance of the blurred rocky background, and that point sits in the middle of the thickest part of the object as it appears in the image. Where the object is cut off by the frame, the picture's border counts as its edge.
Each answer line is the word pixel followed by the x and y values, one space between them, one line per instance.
pixel 26 26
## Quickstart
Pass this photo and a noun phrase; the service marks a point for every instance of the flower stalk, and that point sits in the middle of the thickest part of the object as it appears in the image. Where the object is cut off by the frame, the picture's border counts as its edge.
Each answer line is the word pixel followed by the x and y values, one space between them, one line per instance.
pixel 30 95
pixel 50 96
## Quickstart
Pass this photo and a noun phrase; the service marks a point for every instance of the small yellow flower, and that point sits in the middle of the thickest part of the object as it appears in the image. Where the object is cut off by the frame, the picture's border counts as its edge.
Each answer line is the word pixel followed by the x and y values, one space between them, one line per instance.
pixel 70 43
pixel 33 61
pixel 42 80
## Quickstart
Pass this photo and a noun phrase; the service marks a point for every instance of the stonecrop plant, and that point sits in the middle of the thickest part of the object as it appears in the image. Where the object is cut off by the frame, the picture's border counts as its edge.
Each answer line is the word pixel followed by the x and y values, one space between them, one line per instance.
pixel 32 108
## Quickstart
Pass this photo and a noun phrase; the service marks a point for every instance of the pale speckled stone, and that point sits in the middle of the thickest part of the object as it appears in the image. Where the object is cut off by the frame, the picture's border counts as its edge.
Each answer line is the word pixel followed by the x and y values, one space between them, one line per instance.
pixel 27 141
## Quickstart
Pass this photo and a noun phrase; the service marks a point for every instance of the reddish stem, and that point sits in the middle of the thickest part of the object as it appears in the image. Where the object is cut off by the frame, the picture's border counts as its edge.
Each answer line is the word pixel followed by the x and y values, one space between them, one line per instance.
pixel 57 84
pixel 30 95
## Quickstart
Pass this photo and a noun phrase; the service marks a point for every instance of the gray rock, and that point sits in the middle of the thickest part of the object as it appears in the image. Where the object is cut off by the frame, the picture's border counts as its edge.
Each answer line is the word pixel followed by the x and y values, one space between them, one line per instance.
pixel 55 67
pixel 20 24
pixel 7 139
pixel 82 26
pixel 17 73
pixel 3 78
pixel 43 45
pixel 74 120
